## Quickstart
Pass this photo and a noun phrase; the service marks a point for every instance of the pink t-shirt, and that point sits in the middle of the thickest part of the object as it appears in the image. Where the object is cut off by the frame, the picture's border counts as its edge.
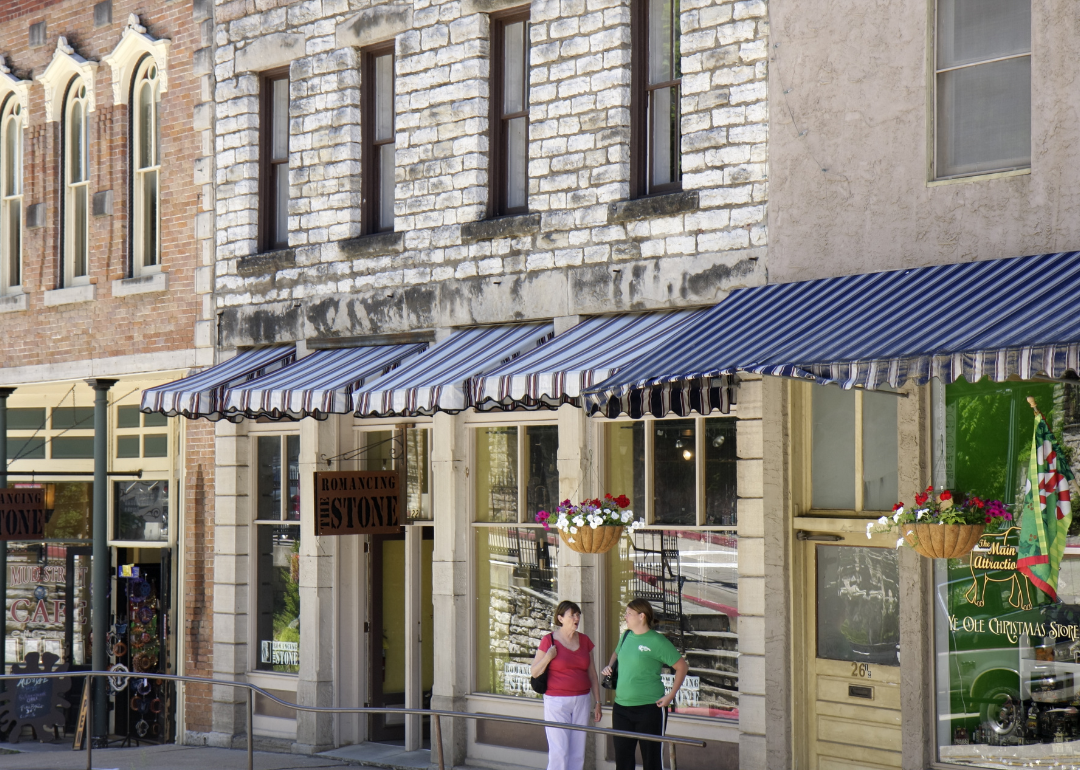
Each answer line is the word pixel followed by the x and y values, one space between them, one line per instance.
pixel 568 674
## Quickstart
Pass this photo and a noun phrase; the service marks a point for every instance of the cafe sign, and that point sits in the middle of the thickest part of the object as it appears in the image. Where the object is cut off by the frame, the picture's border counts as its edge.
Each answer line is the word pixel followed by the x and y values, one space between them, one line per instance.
pixel 358 503
pixel 22 513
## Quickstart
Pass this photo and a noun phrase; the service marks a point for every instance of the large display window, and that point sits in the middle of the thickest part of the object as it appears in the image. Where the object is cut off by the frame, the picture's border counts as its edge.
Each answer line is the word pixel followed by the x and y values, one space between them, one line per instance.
pixel 1007 655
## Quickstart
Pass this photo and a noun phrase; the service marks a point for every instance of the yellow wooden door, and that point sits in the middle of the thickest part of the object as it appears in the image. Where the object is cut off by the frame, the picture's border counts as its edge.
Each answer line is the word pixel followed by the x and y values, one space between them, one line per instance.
pixel 851 673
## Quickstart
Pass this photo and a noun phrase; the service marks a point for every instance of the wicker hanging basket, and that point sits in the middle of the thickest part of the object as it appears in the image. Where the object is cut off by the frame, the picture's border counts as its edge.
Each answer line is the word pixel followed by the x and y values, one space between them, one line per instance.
pixel 589 540
pixel 943 541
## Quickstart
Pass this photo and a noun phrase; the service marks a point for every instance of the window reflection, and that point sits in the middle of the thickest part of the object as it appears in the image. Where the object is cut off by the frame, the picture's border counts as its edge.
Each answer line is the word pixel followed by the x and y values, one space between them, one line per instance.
pixel 674 476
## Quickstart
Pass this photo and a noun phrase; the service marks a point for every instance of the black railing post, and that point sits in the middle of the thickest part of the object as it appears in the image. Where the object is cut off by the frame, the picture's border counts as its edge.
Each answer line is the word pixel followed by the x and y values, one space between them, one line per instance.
pixel 4 393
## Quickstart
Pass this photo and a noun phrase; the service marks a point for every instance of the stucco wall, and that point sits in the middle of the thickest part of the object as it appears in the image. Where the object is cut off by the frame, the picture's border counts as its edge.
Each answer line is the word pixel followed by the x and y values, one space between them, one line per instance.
pixel 849 146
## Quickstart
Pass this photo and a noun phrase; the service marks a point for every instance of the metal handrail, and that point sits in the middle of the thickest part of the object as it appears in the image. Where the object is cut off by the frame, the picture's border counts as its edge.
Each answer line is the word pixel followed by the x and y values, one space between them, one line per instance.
pixel 435 714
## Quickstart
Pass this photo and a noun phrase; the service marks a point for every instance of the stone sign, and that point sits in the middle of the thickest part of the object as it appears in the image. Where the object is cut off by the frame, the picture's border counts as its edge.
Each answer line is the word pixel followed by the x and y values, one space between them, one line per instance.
pixel 22 514
pixel 358 503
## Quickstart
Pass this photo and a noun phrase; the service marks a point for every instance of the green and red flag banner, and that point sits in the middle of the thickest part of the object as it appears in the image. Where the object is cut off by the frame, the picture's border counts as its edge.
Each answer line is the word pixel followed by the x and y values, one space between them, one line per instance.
pixel 1047 511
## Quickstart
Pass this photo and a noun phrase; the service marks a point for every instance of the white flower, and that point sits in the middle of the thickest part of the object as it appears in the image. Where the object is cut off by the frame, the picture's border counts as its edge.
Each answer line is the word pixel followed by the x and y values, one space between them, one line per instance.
pixel 899 510
pixel 919 515
pixel 896 516
pixel 573 530
pixel 899 542
pixel 869 524
pixel 570 540
pixel 629 513
pixel 579 520
pixel 626 516
pixel 883 521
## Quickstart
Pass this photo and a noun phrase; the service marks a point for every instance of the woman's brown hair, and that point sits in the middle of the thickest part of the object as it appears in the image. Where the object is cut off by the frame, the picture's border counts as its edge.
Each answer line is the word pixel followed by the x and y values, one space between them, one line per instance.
pixel 643 607
pixel 563 608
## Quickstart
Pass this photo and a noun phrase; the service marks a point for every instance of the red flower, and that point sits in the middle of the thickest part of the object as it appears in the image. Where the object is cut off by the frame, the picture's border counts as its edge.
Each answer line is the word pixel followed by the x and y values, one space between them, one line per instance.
pixel 921 498
pixel 898 506
pixel 945 495
pixel 622 501
pixel 608 497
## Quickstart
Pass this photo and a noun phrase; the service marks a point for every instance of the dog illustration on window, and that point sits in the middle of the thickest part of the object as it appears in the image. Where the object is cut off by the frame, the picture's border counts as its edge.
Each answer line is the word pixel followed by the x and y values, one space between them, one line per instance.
pixel 994 561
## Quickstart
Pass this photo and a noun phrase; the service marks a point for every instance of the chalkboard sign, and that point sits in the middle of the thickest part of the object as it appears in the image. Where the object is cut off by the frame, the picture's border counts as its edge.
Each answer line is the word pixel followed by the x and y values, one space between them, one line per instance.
pixel 34 700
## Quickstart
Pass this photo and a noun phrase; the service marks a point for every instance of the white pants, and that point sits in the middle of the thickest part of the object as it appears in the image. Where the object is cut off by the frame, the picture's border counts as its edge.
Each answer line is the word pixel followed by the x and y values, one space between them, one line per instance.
pixel 566 748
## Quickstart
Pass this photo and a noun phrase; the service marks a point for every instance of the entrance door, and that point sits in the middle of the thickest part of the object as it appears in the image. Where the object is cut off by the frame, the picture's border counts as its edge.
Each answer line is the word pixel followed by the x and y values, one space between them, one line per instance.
pixel 852 673
pixel 388 639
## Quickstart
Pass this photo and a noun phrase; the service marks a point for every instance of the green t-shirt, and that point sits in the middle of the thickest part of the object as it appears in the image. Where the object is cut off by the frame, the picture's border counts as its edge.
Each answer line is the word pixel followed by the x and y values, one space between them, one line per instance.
pixel 641 658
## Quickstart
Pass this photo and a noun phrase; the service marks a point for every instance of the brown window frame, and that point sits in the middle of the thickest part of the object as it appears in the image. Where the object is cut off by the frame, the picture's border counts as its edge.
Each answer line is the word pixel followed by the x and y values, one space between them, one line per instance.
pixel 371 181
pixel 267 199
pixel 497 133
pixel 641 135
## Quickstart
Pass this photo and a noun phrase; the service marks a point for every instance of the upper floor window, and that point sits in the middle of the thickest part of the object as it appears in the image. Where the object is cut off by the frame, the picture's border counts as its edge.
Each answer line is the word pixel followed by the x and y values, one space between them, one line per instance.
pixel 146 238
pixel 983 71
pixel 657 76
pixel 378 130
pixel 274 162
pixel 76 178
pixel 11 204
pixel 510 114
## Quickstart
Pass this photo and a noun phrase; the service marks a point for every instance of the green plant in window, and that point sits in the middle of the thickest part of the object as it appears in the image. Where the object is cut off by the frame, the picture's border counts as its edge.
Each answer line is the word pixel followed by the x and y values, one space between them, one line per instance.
pixel 287 618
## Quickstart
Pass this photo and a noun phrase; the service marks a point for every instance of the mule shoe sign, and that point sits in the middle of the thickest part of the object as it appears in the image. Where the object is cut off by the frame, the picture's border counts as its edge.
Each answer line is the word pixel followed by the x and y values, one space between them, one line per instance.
pixel 22 514
pixel 357 503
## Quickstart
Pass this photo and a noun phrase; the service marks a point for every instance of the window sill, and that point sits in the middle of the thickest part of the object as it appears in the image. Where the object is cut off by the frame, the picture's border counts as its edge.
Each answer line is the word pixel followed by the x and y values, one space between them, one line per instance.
pixel 374 245
pixel 501 227
pixel 655 206
pixel 143 284
pixel 979 177
pixel 70 295
pixel 267 262
pixel 13 303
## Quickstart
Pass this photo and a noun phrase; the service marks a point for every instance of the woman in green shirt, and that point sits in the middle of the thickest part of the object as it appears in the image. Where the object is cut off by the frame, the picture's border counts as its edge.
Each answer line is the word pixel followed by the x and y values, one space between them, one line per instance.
pixel 640 699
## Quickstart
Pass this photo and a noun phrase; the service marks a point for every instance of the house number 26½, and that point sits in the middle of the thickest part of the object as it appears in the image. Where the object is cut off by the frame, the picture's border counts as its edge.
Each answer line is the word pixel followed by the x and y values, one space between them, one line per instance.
pixel 861 670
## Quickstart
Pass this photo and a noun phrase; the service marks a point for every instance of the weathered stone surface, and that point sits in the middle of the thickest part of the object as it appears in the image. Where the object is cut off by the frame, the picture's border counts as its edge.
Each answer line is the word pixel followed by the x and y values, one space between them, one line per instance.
pixel 654 206
pixel 503 227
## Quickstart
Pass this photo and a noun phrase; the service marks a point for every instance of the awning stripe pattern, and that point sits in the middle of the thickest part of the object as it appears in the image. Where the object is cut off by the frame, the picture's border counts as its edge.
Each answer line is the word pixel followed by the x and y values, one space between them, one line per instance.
pixel 993 318
pixel 436 380
pixel 584 355
pixel 202 394
pixel 317 385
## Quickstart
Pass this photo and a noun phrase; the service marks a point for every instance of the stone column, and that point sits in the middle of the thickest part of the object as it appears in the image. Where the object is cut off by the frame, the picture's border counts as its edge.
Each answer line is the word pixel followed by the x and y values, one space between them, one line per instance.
pixel 774 524
pixel 233 574
pixel 315 732
pixel 450 580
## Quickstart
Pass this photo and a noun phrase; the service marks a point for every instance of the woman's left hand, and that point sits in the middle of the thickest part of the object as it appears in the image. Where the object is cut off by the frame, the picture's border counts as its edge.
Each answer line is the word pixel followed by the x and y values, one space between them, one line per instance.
pixel 598 713
pixel 666 700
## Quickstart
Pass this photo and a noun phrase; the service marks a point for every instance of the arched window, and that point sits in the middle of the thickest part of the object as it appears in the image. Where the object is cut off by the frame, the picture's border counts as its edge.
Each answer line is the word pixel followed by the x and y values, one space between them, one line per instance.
pixel 76 179
pixel 11 205
pixel 146 168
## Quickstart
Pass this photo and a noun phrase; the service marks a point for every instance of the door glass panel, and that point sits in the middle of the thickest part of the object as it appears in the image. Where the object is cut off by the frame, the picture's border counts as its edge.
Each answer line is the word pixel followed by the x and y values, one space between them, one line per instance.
pixel 858 604
pixel 833 458
pixel 879 451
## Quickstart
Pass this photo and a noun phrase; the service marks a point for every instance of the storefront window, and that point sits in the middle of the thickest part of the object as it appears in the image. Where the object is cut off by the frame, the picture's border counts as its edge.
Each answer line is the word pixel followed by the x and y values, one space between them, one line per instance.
pixel 68 509
pixel 142 511
pixel 418 473
pixel 277 554
pixel 847 424
pixel 517 589
pixel 517 472
pixel 691 579
pixel 1008 658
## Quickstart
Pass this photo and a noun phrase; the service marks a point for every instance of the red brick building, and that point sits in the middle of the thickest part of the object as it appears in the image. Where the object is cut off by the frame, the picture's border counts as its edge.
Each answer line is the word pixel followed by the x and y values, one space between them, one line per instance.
pixel 106 268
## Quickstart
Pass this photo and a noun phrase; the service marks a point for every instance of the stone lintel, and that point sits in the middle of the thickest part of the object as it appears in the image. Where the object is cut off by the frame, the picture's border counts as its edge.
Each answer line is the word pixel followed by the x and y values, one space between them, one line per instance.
pixel 503 227
pixel 267 263
pixel 469 7
pixel 653 206
pixel 270 52
pixel 374 25
pixel 374 245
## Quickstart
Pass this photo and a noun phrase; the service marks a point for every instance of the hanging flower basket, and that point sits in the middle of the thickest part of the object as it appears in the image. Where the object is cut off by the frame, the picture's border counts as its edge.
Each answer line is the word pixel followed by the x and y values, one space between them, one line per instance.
pixel 942 526
pixel 943 541
pixel 591 526
pixel 589 540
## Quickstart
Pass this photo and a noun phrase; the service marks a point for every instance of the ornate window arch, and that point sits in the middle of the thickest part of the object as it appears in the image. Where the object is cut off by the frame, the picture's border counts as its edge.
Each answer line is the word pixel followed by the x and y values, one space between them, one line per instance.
pixel 11 194
pixel 75 175
pixel 145 168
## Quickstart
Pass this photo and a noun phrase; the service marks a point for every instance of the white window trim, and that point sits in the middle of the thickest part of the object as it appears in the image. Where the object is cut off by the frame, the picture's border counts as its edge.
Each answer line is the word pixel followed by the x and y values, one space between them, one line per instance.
pixel 123 60
pixel 9 121
pixel 139 268
pixel 69 188
pixel 65 65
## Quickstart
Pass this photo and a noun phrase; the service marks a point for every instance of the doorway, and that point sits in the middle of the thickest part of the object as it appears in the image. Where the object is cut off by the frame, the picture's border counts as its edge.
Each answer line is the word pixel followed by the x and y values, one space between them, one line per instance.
pixel 401 662
pixel 851 675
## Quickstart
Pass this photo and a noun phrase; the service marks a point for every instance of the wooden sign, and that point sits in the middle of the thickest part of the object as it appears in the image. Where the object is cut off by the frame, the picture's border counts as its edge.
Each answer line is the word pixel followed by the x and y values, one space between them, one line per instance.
pixel 358 503
pixel 22 513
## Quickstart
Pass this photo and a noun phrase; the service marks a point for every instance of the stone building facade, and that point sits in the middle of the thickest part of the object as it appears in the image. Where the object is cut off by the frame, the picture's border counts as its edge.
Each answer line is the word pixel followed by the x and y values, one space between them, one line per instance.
pixel 137 308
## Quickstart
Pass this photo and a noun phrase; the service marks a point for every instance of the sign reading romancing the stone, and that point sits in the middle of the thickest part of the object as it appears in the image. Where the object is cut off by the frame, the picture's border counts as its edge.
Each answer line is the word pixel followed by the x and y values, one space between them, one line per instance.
pixel 358 503
pixel 22 513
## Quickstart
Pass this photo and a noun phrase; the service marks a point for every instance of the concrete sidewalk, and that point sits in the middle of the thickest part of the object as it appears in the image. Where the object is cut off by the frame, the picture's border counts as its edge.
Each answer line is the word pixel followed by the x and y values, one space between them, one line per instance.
pixel 38 756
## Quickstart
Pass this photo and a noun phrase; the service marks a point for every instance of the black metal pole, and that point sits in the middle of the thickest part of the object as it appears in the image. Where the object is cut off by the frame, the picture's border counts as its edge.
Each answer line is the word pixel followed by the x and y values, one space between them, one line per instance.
pixel 4 393
pixel 100 578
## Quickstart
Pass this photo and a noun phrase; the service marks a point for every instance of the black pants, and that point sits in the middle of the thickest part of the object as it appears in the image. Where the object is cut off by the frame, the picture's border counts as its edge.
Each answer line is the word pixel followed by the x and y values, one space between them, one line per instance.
pixel 638 719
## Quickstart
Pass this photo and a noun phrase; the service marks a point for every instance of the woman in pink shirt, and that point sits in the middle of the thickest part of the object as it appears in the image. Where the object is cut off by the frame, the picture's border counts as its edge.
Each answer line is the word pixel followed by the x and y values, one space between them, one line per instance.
pixel 572 687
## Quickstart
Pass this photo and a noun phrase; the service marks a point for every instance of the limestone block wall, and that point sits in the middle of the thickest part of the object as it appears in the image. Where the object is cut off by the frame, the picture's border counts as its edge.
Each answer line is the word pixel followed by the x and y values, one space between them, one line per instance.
pixel 583 248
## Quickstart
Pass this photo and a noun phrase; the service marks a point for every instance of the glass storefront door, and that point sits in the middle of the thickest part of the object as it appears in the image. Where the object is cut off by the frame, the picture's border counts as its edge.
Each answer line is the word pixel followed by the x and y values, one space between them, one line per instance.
pixel 851 605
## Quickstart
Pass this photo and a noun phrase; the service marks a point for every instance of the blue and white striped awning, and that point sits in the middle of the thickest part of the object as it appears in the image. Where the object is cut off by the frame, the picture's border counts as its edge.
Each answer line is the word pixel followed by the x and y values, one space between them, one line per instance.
pixel 317 385
pixel 202 394
pixel 994 318
pixel 584 355
pixel 435 382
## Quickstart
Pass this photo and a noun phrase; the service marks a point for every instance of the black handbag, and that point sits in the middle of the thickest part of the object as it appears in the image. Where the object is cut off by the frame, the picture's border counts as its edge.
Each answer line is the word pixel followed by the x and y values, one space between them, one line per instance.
pixel 539 683
pixel 611 681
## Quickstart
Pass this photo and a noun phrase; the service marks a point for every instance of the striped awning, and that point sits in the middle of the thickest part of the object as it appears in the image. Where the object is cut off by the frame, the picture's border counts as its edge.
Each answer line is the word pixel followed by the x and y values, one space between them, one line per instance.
pixel 994 318
pixel 202 394
pixel 436 381
pixel 317 385
pixel 587 354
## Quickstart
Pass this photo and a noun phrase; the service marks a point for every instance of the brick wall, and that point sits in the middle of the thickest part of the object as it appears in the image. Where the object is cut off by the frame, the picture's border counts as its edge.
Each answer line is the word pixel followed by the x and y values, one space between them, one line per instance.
pixel 582 252
pixel 108 326
pixel 198 578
